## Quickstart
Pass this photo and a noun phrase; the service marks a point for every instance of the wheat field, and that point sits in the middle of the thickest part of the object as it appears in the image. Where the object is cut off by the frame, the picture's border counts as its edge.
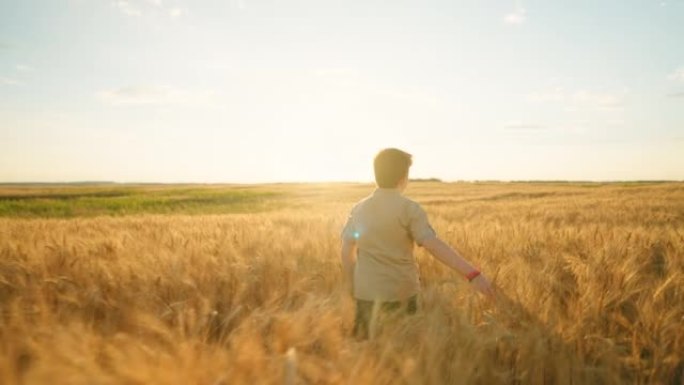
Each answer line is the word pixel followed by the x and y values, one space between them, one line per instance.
pixel 590 280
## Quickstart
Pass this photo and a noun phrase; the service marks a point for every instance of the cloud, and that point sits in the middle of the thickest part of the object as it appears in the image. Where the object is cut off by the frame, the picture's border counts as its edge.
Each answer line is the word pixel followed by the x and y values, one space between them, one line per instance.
pixel 23 68
pixel 679 94
pixel 140 94
pixel 580 98
pixel 153 95
pixel 176 12
pixel 136 8
pixel 9 81
pixel 602 100
pixel 127 8
pixel 519 126
pixel 517 17
pixel 556 94
pixel 677 75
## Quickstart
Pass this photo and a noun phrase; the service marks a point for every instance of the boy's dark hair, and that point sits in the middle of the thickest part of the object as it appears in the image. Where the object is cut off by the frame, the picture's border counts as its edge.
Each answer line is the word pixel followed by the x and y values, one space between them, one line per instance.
pixel 390 165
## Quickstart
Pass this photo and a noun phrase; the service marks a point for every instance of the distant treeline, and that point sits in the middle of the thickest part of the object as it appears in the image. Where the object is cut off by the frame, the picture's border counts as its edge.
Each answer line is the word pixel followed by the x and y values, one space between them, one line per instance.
pixel 435 180
pixel 573 181
pixel 78 183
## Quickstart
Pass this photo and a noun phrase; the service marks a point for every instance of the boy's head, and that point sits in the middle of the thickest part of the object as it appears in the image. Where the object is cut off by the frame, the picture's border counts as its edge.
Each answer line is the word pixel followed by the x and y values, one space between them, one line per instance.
pixel 391 167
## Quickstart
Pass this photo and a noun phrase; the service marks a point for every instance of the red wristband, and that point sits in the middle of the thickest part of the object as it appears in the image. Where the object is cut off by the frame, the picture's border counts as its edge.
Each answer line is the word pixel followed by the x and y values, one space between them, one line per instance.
pixel 472 275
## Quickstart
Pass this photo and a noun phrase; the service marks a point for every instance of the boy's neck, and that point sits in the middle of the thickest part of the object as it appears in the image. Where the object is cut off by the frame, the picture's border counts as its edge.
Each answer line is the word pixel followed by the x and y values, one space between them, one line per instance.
pixel 394 190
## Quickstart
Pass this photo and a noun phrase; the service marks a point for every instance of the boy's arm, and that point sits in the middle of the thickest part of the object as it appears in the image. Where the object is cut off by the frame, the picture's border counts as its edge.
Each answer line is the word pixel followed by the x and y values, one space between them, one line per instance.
pixel 348 257
pixel 450 257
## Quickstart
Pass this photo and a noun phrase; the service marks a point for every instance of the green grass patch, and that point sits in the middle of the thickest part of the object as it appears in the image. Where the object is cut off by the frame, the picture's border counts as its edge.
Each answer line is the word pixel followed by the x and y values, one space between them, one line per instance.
pixel 92 201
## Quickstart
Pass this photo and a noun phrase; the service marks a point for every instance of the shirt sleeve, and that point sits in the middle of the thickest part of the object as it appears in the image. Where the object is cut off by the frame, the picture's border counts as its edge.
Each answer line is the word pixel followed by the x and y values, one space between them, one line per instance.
pixel 349 232
pixel 419 225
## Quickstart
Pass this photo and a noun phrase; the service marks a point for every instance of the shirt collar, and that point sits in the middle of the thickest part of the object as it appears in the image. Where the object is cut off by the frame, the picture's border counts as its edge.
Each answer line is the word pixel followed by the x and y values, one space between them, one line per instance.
pixel 386 191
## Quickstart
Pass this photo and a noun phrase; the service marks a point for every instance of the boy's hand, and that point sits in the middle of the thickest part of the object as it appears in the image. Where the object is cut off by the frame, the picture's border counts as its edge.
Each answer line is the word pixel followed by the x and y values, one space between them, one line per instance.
pixel 482 284
pixel 347 255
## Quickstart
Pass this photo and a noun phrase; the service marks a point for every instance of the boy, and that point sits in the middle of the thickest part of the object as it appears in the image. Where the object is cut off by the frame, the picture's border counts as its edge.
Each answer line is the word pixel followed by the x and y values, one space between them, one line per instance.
pixel 377 244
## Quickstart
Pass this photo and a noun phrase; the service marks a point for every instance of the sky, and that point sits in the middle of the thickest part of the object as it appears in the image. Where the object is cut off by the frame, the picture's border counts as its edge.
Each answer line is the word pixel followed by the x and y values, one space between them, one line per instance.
pixel 242 91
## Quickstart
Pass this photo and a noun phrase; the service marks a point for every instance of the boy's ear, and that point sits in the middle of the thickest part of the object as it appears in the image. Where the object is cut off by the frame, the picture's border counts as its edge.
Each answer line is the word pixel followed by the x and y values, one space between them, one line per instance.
pixel 403 181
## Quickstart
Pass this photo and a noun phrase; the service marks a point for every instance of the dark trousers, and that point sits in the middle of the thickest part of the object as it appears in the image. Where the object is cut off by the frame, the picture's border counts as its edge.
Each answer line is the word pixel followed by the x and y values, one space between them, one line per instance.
pixel 364 313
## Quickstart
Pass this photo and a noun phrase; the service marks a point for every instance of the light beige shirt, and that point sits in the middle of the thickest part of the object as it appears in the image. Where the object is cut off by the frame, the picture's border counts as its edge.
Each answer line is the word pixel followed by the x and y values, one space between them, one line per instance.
pixel 385 226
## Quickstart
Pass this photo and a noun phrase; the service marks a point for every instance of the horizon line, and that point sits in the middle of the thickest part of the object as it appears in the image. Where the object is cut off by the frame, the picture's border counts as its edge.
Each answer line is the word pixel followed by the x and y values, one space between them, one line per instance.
pixel 415 180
